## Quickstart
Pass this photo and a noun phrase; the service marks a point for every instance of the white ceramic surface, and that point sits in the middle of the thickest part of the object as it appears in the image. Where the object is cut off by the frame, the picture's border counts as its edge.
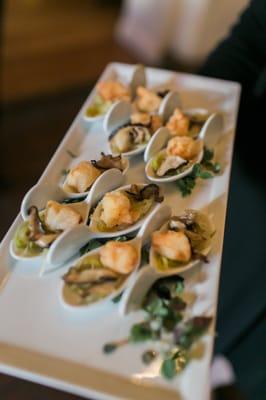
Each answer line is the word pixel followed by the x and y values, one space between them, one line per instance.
pixel 52 343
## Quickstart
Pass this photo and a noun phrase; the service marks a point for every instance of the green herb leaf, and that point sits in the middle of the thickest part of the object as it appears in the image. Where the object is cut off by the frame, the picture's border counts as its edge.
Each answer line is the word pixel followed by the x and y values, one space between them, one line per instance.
pixel 191 331
pixel 91 245
pixel 122 238
pixel 145 254
pixel 196 170
pixel 109 348
pixel 185 185
pixel 216 168
pixel 117 298
pixel 207 155
pixel 168 368
pixel 140 332
pixel 65 172
pixel 155 306
pixel 179 286
pixel 148 356
pixel 74 200
pixel 205 175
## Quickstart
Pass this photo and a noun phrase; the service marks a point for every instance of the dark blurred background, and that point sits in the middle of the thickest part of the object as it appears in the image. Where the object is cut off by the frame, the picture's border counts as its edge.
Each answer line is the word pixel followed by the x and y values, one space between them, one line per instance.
pixel 52 52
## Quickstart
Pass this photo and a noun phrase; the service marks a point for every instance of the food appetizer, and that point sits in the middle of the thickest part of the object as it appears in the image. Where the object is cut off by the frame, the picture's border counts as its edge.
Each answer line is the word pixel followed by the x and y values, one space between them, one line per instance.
pixel 184 239
pixel 176 159
pixel 167 327
pixel 148 101
pixel 187 123
pixel 103 272
pixel 111 90
pixel 107 92
pixel 136 134
pixel 124 207
pixel 42 228
pixel 81 177
pixel 98 275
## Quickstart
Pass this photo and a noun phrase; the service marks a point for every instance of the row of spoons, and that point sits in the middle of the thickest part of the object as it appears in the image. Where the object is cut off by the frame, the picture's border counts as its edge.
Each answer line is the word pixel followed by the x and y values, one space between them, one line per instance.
pixel 94 280
pixel 119 115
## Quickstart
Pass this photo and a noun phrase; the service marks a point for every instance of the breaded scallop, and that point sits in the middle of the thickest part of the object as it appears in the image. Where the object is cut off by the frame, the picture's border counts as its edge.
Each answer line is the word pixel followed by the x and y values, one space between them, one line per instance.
pixel 173 245
pixel 117 210
pixel 60 216
pixel 140 118
pixel 147 100
pixel 112 91
pixel 82 176
pixel 178 123
pixel 184 147
pixel 119 256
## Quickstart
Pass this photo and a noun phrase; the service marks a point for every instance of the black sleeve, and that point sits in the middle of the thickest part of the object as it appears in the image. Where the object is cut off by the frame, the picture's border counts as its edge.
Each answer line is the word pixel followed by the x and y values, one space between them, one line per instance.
pixel 242 55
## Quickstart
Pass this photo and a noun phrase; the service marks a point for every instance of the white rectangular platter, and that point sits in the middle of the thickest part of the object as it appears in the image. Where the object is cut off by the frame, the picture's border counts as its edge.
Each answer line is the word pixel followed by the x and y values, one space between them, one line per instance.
pixel 43 342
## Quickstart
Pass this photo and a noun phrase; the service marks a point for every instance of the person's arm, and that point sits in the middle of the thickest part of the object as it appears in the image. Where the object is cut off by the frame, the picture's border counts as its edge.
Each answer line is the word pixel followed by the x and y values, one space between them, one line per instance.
pixel 242 55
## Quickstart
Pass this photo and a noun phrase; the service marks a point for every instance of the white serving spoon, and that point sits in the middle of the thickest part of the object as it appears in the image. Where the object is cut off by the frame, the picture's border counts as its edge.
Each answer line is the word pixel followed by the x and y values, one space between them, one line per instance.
pixel 156 218
pixel 135 292
pixel 118 116
pixel 209 134
pixel 168 105
pixel 69 242
pixel 108 181
pixel 138 78
pixel 40 193
pixel 74 195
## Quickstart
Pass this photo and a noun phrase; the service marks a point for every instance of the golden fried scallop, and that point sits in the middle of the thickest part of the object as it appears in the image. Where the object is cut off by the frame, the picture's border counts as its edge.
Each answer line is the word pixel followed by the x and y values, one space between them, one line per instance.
pixel 113 90
pixel 140 118
pixel 156 123
pixel 60 216
pixel 119 256
pixel 117 210
pixel 173 245
pixel 82 176
pixel 178 123
pixel 184 147
pixel 147 100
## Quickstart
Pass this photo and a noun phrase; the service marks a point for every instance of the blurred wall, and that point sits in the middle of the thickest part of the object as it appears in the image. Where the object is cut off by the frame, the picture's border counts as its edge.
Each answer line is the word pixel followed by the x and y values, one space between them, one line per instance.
pixel 50 46
pixel 188 29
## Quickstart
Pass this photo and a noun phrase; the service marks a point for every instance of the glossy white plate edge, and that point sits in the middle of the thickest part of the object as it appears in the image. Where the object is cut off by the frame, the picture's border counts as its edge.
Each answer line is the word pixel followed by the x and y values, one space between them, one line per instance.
pixel 30 365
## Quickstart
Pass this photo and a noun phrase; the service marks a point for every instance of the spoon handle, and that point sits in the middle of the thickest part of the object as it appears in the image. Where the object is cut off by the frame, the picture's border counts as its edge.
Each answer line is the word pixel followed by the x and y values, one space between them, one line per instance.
pixel 137 288
pixel 212 129
pixel 68 244
pixel 156 143
pixel 118 115
pixel 138 79
pixel 158 216
pixel 109 180
pixel 168 105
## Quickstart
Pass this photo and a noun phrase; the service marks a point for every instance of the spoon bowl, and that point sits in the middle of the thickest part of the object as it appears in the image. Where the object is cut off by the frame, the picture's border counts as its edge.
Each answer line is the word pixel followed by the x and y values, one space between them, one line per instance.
pixel 138 78
pixel 136 290
pixel 104 183
pixel 209 134
pixel 70 241
pixel 155 219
